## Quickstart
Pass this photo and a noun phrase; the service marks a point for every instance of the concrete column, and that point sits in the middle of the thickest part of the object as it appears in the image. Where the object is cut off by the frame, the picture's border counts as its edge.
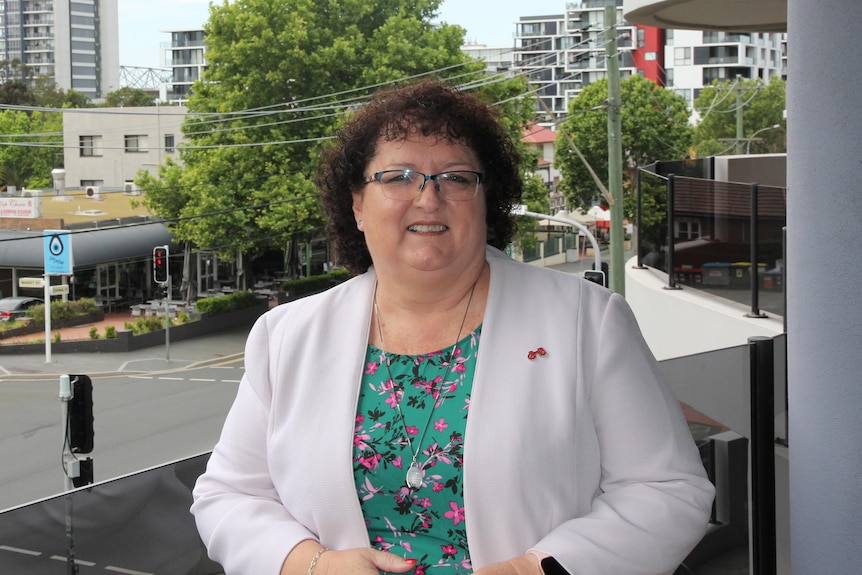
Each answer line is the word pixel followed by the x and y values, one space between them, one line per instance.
pixel 824 312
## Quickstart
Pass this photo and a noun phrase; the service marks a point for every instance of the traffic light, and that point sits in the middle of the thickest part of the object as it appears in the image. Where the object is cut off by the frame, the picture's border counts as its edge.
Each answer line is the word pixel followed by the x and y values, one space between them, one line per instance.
pixel 160 264
pixel 80 417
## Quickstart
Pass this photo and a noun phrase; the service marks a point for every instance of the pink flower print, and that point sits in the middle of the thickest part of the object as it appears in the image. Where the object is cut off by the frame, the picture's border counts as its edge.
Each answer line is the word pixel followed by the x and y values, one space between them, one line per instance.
pixel 437 486
pixel 459 367
pixel 424 502
pixel 456 514
pixel 371 368
pixel 419 570
pixel 394 399
pixel 449 550
pixel 465 564
pixel 440 424
pixel 397 462
pixel 453 387
pixel 360 418
pixel 370 462
pixel 359 440
pixel 411 430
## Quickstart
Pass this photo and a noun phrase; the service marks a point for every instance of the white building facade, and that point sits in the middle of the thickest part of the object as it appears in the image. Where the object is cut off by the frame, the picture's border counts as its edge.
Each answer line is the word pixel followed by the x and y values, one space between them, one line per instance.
pixel 696 58
pixel 75 42
pixel 185 57
pixel 563 53
pixel 105 147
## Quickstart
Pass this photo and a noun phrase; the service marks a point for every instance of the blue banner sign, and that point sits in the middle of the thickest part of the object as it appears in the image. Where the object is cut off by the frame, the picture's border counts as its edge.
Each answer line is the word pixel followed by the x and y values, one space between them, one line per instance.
pixel 58 253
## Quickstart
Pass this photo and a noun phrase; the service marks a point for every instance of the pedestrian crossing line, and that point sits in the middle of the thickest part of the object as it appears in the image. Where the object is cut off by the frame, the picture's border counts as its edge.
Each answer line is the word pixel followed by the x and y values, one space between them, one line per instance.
pixel 77 561
pixel 19 550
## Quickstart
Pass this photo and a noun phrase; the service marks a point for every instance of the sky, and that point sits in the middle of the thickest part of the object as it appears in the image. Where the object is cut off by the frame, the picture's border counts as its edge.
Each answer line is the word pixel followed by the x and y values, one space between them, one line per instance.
pixel 490 22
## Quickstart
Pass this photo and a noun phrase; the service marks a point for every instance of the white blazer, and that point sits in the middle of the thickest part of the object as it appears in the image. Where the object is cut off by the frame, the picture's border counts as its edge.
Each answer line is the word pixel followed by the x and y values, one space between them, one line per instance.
pixel 582 453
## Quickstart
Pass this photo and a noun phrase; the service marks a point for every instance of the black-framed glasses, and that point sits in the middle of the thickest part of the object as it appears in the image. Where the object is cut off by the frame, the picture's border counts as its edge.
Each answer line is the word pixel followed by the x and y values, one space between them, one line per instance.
pixel 457 185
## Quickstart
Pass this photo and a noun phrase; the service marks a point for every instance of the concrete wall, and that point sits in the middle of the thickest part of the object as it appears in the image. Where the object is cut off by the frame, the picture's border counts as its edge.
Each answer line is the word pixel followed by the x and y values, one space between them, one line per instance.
pixel 687 321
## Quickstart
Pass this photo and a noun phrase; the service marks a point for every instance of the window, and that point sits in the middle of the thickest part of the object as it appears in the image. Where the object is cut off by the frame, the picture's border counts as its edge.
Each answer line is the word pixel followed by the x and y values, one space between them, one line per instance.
pixel 169 143
pixel 136 144
pixel 688 229
pixel 682 56
pixel 90 146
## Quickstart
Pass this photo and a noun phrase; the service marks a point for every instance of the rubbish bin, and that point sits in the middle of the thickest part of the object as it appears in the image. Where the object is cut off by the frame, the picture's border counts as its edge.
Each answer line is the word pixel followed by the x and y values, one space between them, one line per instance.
pixel 772 280
pixel 740 275
pixel 715 274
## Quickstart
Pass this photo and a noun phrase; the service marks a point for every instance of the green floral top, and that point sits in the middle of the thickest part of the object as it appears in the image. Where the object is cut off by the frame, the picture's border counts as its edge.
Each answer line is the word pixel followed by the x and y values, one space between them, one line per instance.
pixel 426 523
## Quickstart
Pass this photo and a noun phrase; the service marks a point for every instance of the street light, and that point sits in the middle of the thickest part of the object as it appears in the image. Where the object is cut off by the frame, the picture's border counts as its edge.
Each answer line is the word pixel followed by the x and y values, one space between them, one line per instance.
pixel 752 137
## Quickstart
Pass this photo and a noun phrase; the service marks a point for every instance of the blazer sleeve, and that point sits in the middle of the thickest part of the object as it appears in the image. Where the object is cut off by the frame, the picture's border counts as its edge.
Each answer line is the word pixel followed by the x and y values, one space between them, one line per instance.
pixel 236 496
pixel 654 500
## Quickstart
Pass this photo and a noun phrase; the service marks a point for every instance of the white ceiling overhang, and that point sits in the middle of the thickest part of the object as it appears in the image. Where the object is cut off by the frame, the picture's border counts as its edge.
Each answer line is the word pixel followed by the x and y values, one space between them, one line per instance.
pixel 727 15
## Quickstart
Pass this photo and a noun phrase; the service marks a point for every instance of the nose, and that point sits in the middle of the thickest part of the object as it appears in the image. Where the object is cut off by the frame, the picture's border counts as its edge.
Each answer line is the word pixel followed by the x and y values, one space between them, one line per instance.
pixel 434 198
pixel 425 178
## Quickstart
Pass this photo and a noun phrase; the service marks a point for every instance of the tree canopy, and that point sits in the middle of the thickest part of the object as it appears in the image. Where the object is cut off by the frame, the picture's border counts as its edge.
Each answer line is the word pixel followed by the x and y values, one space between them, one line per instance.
pixel 655 126
pixel 281 76
pixel 127 97
pixel 762 107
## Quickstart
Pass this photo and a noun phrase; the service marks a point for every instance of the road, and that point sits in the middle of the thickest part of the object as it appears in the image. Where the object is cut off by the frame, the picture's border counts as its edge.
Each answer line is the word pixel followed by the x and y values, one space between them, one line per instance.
pixel 141 421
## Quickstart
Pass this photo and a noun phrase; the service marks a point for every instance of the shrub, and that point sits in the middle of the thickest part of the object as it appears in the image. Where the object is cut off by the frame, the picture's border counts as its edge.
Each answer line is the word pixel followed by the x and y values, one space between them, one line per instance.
pixel 110 332
pixel 64 309
pixel 145 325
pixel 225 303
pixel 315 284
pixel 94 332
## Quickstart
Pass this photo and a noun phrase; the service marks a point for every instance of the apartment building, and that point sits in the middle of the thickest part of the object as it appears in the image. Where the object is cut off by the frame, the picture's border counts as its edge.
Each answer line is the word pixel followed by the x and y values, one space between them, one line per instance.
pixel 498 60
pixel 696 58
pixel 563 53
pixel 75 42
pixel 185 57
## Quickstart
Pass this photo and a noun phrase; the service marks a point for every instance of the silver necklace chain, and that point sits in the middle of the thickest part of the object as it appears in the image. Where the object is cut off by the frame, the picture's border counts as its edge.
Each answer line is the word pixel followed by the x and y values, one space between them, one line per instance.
pixel 415 473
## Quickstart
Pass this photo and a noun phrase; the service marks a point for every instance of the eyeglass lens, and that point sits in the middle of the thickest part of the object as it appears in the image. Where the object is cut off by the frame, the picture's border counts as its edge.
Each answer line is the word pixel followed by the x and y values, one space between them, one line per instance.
pixel 407 184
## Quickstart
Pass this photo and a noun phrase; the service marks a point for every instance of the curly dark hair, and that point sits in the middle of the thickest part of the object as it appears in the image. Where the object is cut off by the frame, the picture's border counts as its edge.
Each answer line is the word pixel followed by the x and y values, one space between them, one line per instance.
pixel 429 107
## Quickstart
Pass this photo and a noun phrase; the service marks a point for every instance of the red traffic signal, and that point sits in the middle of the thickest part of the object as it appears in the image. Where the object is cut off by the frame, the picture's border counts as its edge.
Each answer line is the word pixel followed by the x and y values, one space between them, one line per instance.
pixel 160 264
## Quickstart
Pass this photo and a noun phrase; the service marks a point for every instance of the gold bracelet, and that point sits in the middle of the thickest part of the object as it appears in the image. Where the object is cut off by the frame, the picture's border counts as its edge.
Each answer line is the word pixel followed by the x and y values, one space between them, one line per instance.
pixel 315 558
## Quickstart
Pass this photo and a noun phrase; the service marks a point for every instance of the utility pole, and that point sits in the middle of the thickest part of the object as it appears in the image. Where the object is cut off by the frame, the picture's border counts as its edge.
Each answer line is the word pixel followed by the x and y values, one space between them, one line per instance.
pixel 615 155
pixel 738 116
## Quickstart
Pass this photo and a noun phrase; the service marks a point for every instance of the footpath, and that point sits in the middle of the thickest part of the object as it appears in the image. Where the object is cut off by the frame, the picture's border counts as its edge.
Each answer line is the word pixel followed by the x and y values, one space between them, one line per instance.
pixel 219 347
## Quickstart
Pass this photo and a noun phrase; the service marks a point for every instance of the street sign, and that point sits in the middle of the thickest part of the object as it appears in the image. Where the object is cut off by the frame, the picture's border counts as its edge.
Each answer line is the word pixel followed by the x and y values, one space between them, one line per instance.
pixel 31 282
pixel 58 252
pixel 59 290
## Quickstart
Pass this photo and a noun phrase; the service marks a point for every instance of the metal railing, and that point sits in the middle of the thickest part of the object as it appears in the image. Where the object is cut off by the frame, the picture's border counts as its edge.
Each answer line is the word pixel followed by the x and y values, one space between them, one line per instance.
pixel 726 238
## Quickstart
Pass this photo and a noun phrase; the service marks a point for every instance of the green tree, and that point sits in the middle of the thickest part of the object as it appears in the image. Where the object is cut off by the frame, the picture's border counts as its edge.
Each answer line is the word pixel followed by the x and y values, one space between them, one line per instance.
pixel 281 76
pixel 762 106
pixel 47 94
pixel 34 140
pixel 655 126
pixel 127 97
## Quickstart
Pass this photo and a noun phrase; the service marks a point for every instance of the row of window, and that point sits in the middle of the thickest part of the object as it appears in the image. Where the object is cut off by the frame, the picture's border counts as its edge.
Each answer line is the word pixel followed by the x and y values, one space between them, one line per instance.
pixel 91 146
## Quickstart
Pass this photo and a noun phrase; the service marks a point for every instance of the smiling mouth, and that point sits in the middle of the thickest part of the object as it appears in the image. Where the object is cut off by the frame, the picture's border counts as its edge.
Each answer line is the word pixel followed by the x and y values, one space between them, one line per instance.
pixel 427 228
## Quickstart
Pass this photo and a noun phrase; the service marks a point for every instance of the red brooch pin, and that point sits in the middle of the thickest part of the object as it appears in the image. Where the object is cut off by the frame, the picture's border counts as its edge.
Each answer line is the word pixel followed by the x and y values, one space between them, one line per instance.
pixel 539 352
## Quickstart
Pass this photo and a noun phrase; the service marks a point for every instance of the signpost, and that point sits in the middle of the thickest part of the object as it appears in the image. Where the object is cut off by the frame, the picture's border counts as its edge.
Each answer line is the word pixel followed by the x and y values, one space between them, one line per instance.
pixel 162 276
pixel 58 262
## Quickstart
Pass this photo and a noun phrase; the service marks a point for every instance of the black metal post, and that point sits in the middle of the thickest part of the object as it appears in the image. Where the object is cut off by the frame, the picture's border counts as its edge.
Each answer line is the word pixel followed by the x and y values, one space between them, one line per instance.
pixel 639 220
pixel 668 260
pixel 754 255
pixel 763 537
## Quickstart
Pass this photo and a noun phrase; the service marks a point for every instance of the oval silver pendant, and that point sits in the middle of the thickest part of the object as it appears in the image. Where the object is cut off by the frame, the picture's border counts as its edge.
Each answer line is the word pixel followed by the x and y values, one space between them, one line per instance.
pixel 414 476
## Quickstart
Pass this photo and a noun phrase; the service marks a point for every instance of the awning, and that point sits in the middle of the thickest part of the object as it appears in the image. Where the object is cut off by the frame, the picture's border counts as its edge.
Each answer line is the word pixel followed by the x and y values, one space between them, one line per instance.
pixel 89 247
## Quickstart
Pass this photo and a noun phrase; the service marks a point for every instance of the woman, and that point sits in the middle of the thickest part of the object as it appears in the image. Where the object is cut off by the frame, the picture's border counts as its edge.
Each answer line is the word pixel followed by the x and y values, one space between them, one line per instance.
pixel 447 410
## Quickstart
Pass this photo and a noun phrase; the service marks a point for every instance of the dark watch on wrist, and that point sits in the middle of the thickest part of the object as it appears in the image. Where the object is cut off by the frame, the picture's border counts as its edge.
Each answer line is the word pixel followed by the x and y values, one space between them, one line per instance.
pixel 552 567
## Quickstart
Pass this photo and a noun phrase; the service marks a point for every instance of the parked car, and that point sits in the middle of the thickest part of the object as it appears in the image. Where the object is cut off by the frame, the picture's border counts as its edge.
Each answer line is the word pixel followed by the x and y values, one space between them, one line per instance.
pixel 15 308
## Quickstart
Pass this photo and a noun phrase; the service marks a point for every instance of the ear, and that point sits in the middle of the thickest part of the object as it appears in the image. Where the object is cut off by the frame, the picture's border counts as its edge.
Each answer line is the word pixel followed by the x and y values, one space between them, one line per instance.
pixel 357 209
